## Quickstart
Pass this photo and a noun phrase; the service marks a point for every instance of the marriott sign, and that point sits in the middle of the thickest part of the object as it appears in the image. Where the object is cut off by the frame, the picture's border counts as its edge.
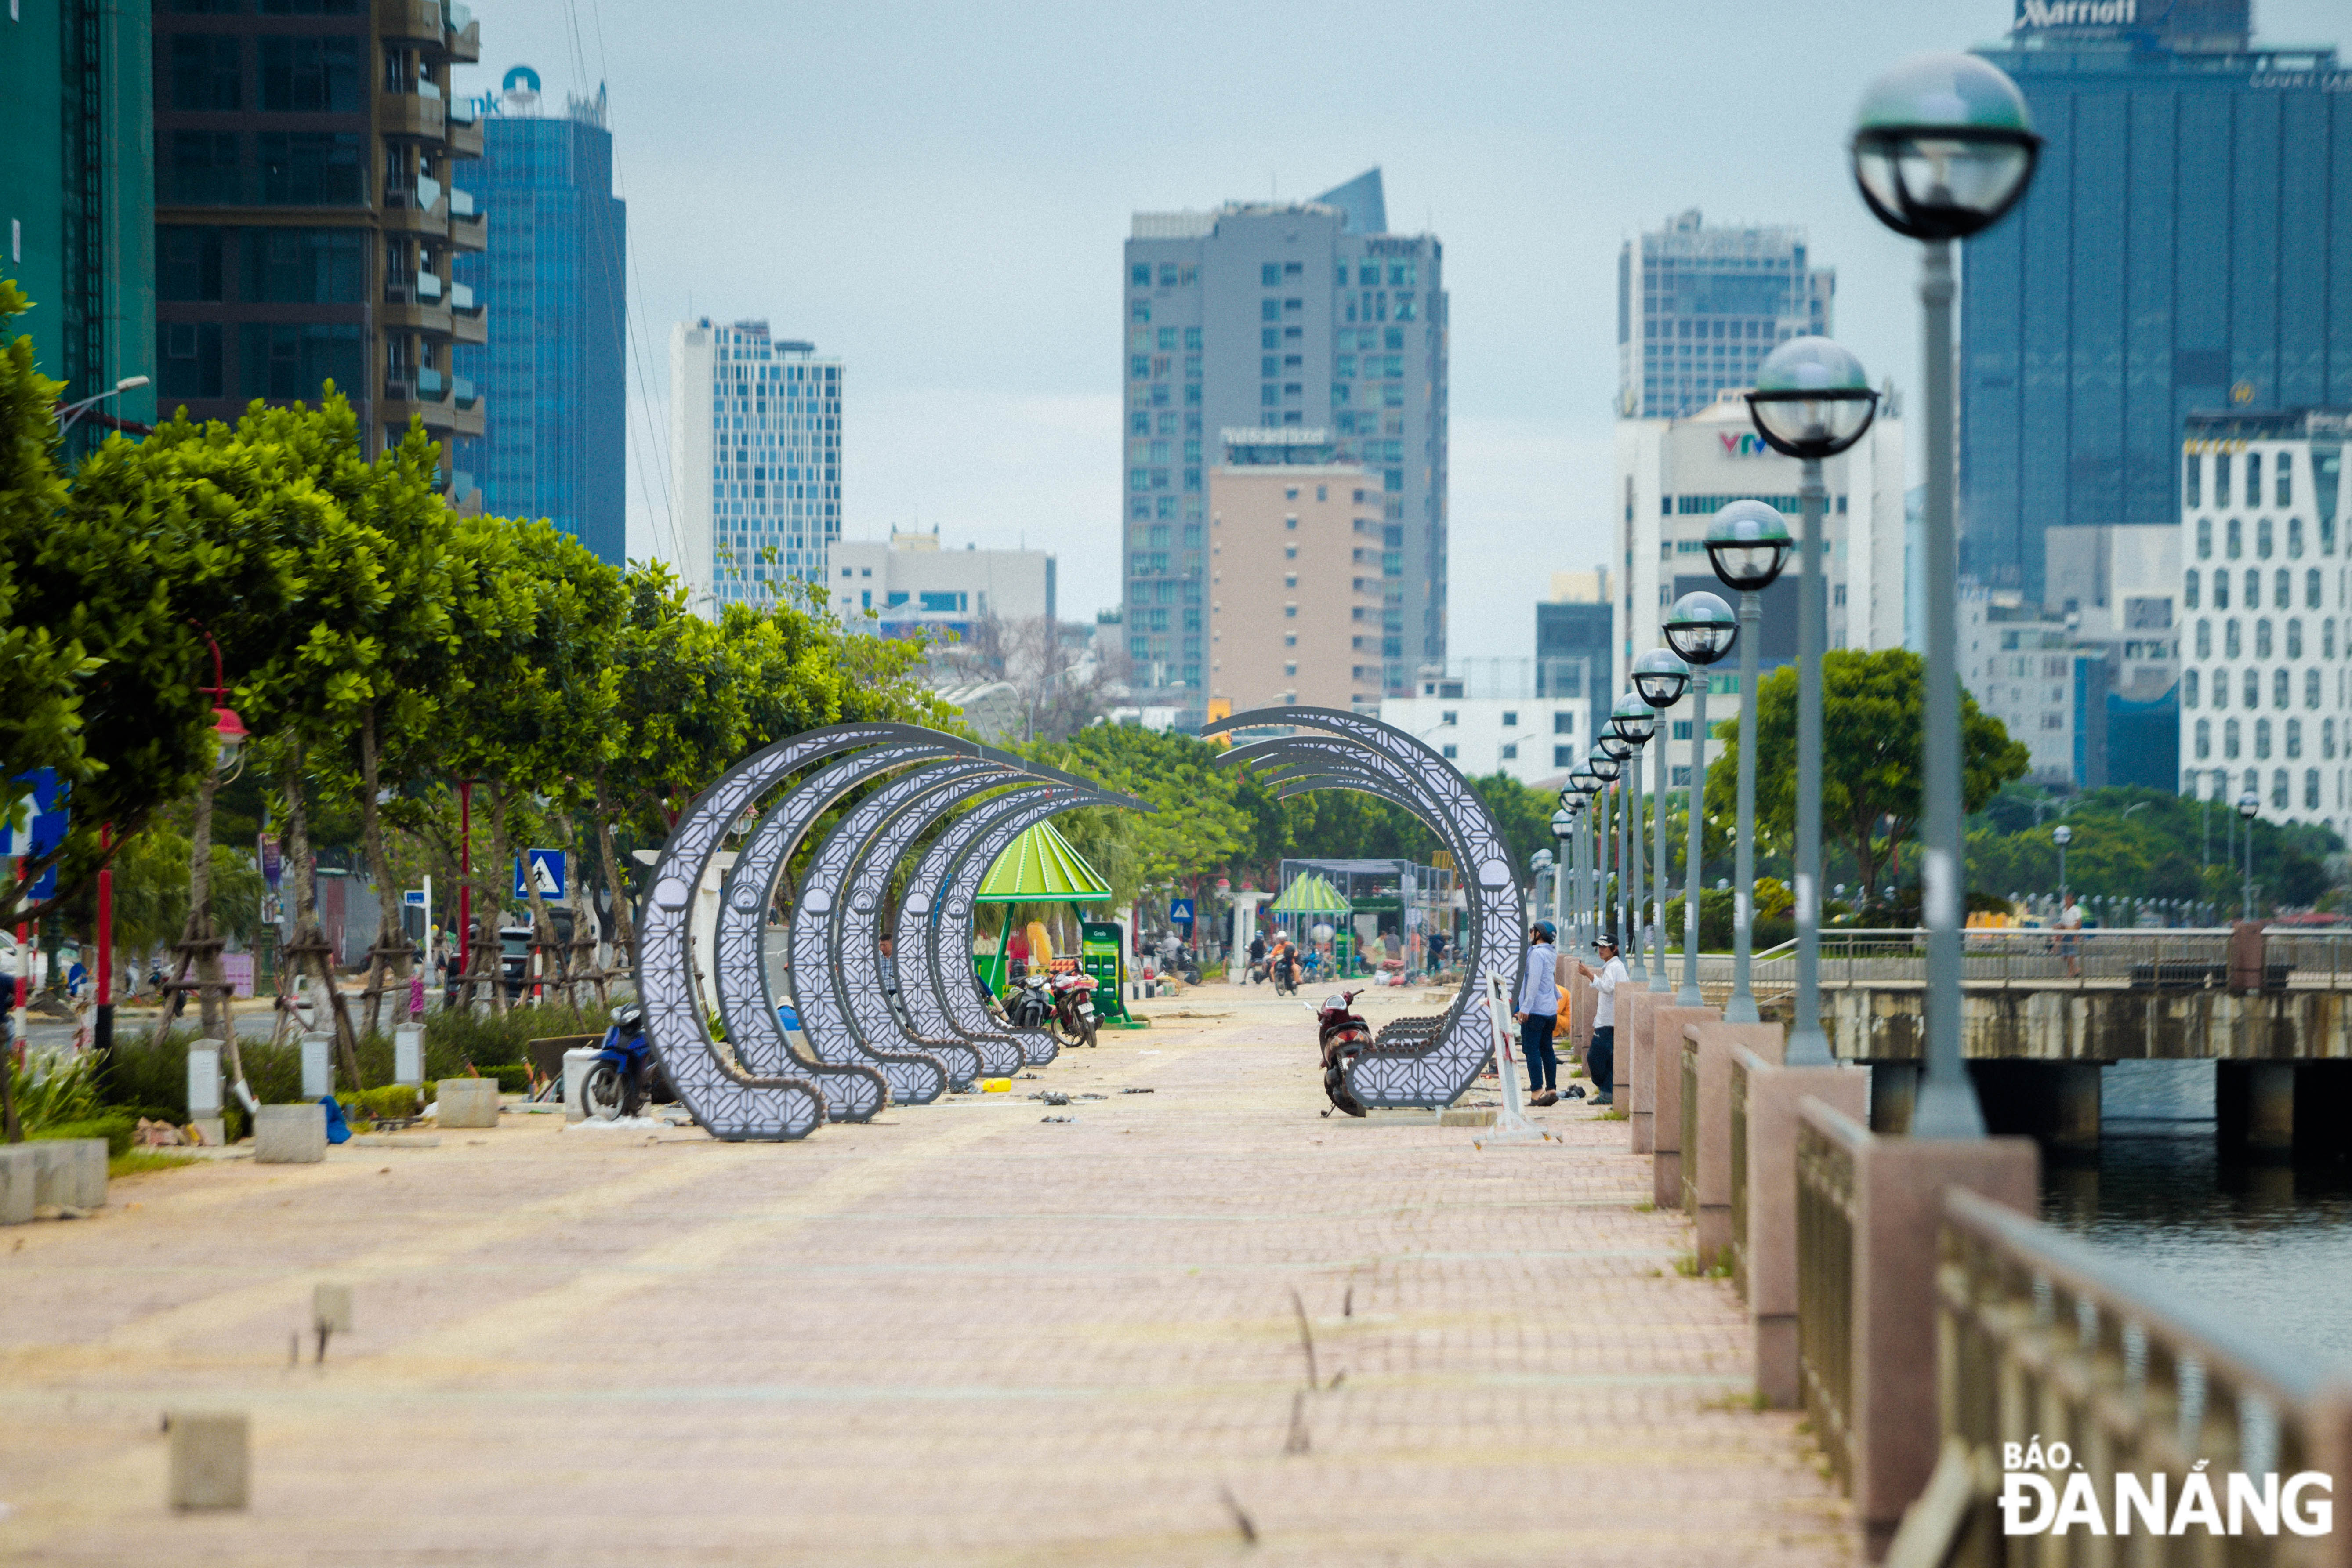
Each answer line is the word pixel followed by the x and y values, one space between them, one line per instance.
pixel 2077 13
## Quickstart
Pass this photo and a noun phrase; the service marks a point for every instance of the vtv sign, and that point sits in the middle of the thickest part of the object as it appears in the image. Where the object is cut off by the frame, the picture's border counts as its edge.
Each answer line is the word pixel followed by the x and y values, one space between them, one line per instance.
pixel 1747 445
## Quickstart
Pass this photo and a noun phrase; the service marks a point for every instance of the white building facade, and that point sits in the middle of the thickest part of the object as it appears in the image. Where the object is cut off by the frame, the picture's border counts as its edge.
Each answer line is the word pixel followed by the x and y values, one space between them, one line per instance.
pixel 755 454
pixel 1672 476
pixel 1536 739
pixel 911 585
pixel 2265 690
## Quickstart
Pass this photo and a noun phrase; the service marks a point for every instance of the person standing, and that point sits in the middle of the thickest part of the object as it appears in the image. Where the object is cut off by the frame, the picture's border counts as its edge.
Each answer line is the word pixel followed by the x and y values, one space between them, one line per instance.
pixel 1601 1056
pixel 1538 1010
pixel 2070 936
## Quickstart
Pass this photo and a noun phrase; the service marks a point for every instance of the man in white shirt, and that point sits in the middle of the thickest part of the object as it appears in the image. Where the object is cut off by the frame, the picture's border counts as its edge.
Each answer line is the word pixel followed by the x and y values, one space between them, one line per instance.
pixel 1601 1056
pixel 1538 1012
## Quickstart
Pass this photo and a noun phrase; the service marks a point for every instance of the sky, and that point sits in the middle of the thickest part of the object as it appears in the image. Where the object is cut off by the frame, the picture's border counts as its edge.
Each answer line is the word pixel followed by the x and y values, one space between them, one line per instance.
pixel 938 194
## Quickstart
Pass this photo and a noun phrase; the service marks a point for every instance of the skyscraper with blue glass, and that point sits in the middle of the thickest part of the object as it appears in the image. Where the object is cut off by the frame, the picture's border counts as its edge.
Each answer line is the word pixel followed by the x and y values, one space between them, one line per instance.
pixel 552 375
pixel 2186 247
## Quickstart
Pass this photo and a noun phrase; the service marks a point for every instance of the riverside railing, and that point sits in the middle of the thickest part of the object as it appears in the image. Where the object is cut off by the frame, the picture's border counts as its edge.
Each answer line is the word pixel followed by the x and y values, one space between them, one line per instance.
pixel 2185 1439
pixel 2131 960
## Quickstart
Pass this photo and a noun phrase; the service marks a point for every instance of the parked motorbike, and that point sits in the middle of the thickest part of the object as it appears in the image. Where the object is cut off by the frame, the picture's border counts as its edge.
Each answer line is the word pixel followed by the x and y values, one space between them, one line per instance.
pixel 1030 1004
pixel 1176 960
pixel 1074 1006
pixel 1342 1035
pixel 625 1076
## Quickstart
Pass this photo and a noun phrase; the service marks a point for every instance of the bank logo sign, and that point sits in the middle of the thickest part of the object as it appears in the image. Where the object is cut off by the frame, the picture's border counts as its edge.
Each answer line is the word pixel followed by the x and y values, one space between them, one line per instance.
pixel 2044 1492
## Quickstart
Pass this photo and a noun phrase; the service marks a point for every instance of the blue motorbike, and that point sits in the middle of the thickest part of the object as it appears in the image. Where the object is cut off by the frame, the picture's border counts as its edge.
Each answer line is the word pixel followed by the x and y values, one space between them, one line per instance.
pixel 625 1074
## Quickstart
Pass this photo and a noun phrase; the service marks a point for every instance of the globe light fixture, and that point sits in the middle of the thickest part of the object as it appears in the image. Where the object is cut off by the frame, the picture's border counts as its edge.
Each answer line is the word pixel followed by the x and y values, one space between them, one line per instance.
pixel 1811 399
pixel 1659 679
pixel 1748 545
pixel 1700 628
pixel 1633 721
pixel 1633 718
pixel 1944 146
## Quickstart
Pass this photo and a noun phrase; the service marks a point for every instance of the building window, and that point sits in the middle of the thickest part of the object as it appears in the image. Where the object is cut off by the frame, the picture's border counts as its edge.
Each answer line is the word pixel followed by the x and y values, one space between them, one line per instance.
pixel 204 171
pixel 2235 530
pixel 2294 537
pixel 2204 738
pixel 2293 738
pixel 191 359
pixel 1511 754
pixel 2188 589
pixel 2310 688
pixel 1290 612
pixel 310 169
pixel 1450 752
pixel 2230 742
pixel 1680 776
pixel 2310 776
pixel 283 360
pixel 310 75
pixel 304 267
pixel 2220 590
pixel 2188 690
pixel 2192 485
pixel 2281 684
pixel 2251 689
pixel 2294 639
pixel 2229 645
pixel 188 264
pixel 1510 718
pixel 2262 639
pixel 2312 593
pixel 2204 639
pixel 1564 722
pixel 2278 777
pixel 2262 534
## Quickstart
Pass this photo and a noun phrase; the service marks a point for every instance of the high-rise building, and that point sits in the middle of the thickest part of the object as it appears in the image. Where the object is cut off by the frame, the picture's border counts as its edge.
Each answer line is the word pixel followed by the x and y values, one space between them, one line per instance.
pixel 2266 532
pixel 1699 308
pixel 1573 657
pixel 306 214
pixel 76 198
pixel 1296 589
pixel 1674 475
pixel 2186 245
pixel 1306 317
pixel 552 379
pixel 755 449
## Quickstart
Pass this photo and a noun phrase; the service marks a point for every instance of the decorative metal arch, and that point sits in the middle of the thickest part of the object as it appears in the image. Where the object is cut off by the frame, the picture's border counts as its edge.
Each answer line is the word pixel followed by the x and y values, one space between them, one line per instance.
pixel 924 986
pixel 855 1089
pixel 829 973
pixel 859 933
pixel 1381 759
pixel 1038 1046
pixel 727 1101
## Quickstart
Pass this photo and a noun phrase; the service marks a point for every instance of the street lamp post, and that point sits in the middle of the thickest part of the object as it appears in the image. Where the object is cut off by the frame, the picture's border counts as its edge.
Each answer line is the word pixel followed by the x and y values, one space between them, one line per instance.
pixel 1621 752
pixel 1748 545
pixel 1605 768
pixel 1700 630
pixel 1943 147
pixel 1581 780
pixel 1636 720
pixel 1812 402
pixel 1660 679
pixel 2061 836
pixel 1563 823
pixel 2248 804
pixel 70 415
pixel 1543 876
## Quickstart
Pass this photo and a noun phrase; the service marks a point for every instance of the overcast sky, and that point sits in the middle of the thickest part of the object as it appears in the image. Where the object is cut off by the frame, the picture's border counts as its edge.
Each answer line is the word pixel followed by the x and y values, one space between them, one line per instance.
pixel 938 194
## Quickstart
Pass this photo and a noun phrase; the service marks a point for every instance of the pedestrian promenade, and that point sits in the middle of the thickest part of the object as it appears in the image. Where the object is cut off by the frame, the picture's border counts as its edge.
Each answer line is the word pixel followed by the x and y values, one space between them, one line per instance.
pixel 965 1333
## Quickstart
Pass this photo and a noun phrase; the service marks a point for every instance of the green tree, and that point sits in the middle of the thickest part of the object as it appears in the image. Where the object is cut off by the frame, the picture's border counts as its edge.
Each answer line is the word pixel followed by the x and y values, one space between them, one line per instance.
pixel 1872 726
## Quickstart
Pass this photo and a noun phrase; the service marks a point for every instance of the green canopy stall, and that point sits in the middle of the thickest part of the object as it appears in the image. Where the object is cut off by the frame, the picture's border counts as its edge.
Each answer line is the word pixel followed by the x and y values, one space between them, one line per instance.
pixel 1040 868
pixel 1310 895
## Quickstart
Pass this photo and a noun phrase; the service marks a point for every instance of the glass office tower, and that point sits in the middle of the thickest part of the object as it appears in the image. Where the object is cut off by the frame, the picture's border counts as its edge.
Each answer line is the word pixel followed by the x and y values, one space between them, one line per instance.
pixel 1699 308
pixel 552 376
pixel 1308 318
pixel 2186 245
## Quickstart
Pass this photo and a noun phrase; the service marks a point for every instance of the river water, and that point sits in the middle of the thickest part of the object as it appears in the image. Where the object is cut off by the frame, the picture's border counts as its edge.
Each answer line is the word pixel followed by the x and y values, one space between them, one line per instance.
pixel 2269 1245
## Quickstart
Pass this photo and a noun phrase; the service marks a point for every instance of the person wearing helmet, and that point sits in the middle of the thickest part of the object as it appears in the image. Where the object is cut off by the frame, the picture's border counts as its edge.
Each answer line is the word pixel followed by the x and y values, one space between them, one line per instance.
pixel 1538 1010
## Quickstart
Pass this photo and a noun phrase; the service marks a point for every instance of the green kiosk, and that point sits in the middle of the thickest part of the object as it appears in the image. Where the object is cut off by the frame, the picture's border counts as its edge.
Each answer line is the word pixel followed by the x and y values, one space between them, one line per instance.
pixel 1040 868
pixel 1312 897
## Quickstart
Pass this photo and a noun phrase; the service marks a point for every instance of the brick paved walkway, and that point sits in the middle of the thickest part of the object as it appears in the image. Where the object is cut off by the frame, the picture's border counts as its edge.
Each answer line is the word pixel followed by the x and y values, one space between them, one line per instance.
pixel 962 1334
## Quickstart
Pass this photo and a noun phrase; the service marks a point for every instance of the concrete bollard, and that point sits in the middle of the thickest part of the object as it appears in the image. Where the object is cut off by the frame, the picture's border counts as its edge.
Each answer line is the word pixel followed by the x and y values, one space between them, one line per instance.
pixel 211 1457
pixel 69 1172
pixel 1632 1011
pixel 1664 1067
pixel 289 1134
pixel 578 1064
pixel 17 1182
pixel 1707 1159
pixel 468 1101
pixel 408 1054
pixel 318 1065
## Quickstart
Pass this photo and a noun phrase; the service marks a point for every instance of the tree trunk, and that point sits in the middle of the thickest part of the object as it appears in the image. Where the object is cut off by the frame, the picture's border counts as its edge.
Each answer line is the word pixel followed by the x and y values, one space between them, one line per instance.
pixel 308 933
pixel 490 895
pixel 624 938
pixel 380 867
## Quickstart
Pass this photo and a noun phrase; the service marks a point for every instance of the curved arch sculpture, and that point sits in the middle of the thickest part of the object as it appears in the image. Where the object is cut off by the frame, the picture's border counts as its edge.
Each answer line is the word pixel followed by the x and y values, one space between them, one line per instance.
pixel 859 933
pixel 833 976
pixel 855 1089
pixel 729 1101
pixel 986 842
pixel 1364 755
pixel 924 986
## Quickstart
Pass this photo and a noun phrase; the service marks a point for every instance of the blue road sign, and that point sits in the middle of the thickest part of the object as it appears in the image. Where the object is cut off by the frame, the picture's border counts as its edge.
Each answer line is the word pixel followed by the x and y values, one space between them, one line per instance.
pixel 39 825
pixel 1180 911
pixel 547 869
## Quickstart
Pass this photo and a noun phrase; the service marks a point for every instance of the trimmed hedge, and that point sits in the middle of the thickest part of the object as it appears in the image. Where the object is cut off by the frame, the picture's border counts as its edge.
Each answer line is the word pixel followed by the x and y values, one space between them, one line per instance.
pixel 116 1127
pixel 376 1104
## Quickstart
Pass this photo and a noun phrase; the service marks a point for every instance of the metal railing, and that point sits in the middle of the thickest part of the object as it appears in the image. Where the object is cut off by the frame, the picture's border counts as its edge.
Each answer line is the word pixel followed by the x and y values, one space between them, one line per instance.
pixel 1826 1159
pixel 2142 958
pixel 2044 1339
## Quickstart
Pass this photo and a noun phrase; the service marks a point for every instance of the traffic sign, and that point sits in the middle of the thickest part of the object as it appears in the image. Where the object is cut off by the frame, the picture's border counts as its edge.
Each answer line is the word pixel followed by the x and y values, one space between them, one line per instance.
pixel 414 898
pixel 1179 912
pixel 38 826
pixel 547 869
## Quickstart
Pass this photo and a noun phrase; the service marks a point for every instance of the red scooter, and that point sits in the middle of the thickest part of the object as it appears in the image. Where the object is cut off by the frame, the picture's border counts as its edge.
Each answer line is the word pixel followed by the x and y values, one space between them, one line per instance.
pixel 1342 1034
pixel 1074 1006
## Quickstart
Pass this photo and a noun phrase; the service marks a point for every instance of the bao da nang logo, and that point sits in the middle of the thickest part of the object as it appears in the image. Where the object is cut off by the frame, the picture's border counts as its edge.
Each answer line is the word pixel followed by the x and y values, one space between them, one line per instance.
pixel 2034 1503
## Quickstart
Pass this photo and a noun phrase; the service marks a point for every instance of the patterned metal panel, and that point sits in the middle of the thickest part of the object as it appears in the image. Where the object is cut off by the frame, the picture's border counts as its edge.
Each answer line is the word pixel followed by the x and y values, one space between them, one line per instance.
pixel 925 981
pixel 1038 1046
pixel 1383 761
pixel 836 970
pixel 728 1102
pixel 855 1089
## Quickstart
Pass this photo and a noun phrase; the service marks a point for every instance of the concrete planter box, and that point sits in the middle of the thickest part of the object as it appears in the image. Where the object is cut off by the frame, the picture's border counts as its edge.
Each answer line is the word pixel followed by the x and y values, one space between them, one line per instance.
pixel 16 1183
pixel 70 1173
pixel 468 1102
pixel 289 1134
